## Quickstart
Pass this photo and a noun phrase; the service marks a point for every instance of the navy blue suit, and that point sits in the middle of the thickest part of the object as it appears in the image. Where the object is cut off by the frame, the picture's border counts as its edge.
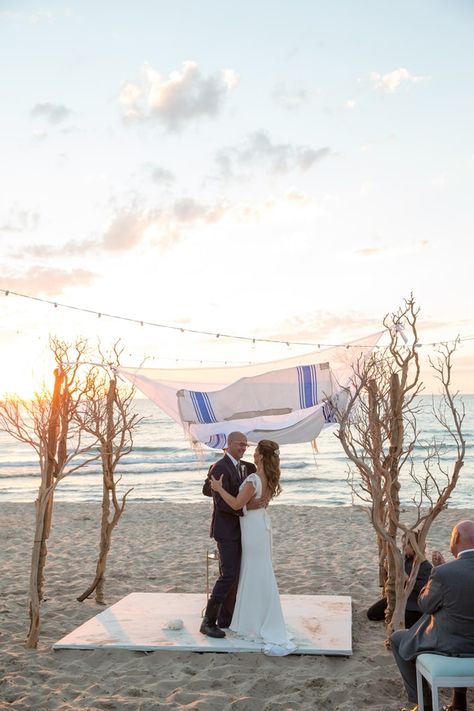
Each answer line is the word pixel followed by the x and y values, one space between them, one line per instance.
pixel 225 529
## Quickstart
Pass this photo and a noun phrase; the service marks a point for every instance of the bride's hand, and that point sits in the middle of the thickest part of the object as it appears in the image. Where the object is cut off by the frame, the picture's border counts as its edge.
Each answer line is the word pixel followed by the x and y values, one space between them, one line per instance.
pixel 216 484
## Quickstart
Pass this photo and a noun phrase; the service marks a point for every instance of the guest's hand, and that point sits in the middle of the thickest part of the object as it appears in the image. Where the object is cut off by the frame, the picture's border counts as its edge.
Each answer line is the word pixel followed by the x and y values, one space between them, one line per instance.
pixel 216 484
pixel 437 558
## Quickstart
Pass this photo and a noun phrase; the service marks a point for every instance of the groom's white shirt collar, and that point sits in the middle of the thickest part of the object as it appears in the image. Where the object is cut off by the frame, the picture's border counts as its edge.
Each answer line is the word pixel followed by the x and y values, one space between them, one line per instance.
pixel 234 461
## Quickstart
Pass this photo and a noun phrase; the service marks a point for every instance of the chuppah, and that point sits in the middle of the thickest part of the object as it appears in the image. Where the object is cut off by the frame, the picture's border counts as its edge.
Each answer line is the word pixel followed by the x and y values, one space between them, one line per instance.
pixel 290 401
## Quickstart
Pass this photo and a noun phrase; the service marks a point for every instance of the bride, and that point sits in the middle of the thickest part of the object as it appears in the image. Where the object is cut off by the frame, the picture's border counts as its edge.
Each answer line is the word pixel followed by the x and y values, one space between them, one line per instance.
pixel 257 615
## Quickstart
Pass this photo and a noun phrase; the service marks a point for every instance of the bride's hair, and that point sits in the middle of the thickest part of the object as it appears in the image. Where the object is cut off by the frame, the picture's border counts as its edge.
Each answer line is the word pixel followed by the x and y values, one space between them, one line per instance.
pixel 271 464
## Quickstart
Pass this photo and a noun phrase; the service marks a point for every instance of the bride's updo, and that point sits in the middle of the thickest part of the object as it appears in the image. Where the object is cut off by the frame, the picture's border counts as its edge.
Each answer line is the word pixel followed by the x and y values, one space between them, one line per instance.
pixel 271 465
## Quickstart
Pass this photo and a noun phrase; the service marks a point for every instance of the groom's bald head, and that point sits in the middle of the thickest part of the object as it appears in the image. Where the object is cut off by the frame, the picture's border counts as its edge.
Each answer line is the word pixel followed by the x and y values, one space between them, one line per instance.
pixel 236 444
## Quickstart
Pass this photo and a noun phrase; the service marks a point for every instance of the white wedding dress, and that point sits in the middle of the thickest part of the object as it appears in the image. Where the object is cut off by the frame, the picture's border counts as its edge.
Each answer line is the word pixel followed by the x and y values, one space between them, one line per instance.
pixel 257 615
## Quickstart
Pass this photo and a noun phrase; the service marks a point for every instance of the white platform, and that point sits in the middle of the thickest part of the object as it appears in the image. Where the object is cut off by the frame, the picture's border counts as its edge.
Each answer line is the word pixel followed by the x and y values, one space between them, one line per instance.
pixel 320 624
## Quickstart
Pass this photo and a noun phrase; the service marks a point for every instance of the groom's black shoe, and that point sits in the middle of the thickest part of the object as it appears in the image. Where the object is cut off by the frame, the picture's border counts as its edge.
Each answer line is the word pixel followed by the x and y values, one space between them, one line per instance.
pixel 209 626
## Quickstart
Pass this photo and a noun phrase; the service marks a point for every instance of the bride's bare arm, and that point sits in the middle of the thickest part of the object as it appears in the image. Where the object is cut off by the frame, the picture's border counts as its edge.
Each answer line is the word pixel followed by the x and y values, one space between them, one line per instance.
pixel 235 502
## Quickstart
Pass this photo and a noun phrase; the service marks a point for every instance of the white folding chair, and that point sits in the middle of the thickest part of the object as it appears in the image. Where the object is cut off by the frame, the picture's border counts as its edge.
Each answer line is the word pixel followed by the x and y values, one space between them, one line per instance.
pixel 442 672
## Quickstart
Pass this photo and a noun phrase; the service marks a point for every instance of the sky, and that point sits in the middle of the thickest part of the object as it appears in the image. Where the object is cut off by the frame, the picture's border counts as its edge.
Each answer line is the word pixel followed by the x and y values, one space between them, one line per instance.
pixel 290 171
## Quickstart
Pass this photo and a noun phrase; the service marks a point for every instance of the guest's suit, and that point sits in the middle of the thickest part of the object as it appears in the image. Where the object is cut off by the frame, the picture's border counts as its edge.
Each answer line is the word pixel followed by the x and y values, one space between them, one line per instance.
pixel 225 529
pixel 447 627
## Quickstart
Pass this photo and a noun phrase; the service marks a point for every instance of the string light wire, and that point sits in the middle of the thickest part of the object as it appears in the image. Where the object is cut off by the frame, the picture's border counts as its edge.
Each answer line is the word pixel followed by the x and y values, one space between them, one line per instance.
pixel 251 339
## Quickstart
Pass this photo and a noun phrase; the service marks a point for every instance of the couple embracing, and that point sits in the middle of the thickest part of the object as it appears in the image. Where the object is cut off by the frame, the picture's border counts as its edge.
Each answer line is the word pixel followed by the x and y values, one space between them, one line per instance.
pixel 245 597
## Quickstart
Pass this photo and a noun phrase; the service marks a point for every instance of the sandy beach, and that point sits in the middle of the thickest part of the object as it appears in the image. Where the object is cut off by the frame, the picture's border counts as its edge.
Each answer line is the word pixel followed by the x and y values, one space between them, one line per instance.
pixel 160 547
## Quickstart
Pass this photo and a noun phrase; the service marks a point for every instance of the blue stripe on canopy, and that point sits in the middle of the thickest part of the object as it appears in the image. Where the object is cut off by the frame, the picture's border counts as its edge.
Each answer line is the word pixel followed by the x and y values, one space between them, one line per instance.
pixel 202 407
pixel 308 385
pixel 217 441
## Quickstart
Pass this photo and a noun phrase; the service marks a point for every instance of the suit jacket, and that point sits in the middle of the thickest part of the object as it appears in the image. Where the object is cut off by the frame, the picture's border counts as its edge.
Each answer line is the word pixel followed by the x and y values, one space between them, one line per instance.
pixel 248 468
pixel 225 524
pixel 447 627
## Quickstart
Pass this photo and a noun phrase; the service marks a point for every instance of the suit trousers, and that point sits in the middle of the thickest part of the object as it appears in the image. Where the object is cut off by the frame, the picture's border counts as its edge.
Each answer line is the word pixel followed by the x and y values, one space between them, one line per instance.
pixel 407 669
pixel 225 589
pixel 376 613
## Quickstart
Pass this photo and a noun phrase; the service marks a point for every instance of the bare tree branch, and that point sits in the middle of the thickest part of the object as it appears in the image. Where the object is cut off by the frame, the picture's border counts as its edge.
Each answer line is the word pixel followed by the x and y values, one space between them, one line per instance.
pixel 379 433
pixel 108 415
pixel 48 425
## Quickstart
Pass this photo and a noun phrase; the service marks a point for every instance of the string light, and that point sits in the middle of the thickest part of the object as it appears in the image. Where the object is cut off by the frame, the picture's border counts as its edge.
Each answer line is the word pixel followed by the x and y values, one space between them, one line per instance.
pixel 142 358
pixel 251 339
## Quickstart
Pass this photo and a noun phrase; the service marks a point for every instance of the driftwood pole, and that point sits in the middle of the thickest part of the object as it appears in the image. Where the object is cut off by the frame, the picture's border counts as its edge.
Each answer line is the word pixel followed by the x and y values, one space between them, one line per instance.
pixel 113 426
pixel 46 424
pixel 108 495
pixel 44 510
pixel 395 436
pixel 51 472
pixel 379 432
pixel 107 488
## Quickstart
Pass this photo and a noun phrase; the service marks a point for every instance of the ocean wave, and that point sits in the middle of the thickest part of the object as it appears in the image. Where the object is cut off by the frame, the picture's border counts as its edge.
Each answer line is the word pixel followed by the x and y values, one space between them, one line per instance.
pixel 186 461
pixel 163 466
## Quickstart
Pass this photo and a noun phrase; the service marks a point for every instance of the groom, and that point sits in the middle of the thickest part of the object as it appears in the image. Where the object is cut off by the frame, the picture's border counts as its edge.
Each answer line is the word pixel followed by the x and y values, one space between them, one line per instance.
pixel 225 529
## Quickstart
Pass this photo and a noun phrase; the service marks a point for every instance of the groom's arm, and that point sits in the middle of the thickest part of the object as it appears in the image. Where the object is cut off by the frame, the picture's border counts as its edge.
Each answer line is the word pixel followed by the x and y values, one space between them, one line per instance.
pixel 206 487
pixel 257 504
pixel 217 471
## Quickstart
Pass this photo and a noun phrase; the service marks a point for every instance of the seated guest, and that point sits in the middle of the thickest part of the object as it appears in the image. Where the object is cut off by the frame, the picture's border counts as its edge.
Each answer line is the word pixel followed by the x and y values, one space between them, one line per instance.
pixel 412 611
pixel 447 625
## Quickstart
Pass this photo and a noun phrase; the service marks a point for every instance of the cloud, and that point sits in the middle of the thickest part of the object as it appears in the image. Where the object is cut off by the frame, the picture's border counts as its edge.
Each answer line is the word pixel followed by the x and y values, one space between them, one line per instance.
pixel 277 158
pixel 170 224
pixel 54 113
pixel 134 226
pixel 371 251
pixel 159 175
pixel 34 18
pixel 408 249
pixel 71 248
pixel 44 280
pixel 388 83
pixel 20 220
pixel 39 135
pixel 126 229
pixel 188 210
pixel 296 196
pixel 182 97
pixel 323 325
pixel 288 99
pixel 162 226
pixel 124 232
pixel 130 227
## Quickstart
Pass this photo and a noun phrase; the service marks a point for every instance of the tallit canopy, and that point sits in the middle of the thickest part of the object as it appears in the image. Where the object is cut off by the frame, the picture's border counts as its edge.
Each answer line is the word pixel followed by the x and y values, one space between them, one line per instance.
pixel 288 400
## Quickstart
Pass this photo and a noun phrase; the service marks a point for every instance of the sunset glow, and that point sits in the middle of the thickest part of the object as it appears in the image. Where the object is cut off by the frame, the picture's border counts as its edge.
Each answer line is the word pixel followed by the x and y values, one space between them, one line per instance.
pixel 269 175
